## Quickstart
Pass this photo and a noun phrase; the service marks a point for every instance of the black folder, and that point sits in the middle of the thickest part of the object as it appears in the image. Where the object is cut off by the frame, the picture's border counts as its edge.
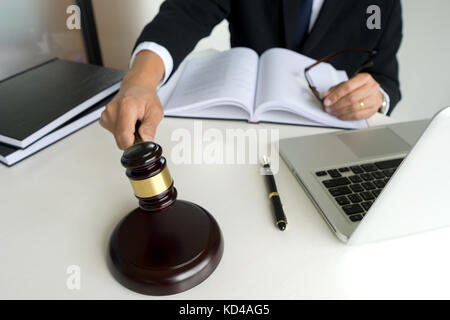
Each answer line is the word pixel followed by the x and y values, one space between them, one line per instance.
pixel 41 99
pixel 11 155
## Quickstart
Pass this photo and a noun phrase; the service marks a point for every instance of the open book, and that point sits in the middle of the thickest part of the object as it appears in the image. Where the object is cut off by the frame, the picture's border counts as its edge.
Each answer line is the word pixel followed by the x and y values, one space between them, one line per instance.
pixel 238 84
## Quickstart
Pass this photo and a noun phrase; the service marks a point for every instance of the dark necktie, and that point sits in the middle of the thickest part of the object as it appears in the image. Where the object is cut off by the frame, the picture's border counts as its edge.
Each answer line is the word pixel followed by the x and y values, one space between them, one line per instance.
pixel 303 22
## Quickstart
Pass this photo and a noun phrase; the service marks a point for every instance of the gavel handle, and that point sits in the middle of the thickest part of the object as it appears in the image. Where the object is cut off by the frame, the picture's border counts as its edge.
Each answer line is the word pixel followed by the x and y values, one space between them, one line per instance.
pixel 137 137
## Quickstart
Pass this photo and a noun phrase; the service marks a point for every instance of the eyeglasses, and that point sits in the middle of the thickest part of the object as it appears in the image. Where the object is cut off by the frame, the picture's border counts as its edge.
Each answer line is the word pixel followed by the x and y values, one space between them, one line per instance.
pixel 368 64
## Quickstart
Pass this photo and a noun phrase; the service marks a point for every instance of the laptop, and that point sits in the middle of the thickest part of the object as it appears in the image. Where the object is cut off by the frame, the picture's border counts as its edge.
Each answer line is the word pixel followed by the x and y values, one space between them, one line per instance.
pixel 377 183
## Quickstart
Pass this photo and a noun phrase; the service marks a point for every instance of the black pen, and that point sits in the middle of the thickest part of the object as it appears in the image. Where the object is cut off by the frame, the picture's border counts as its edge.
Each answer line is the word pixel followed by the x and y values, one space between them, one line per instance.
pixel 280 217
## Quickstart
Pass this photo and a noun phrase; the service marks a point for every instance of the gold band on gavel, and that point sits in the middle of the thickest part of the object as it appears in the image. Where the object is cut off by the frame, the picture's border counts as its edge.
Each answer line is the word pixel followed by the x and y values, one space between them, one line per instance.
pixel 273 194
pixel 152 186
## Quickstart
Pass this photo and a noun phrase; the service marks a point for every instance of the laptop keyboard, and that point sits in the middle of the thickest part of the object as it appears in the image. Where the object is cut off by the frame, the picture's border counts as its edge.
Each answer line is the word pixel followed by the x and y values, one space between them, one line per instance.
pixel 355 188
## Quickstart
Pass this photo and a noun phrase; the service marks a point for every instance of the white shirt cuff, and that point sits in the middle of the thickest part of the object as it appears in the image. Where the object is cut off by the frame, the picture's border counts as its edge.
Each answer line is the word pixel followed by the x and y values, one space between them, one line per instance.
pixel 161 51
pixel 388 101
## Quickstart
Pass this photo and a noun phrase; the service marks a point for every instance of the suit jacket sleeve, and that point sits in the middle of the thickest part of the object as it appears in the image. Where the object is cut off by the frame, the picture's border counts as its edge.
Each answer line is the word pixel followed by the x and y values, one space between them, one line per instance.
pixel 180 24
pixel 385 68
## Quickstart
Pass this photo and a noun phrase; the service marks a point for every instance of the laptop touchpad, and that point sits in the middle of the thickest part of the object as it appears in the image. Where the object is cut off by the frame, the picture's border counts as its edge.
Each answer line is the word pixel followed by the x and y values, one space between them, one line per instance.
pixel 377 142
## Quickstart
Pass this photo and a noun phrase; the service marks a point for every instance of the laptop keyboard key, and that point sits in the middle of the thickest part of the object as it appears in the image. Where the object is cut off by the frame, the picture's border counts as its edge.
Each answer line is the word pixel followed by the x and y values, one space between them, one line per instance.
pixel 376 193
pixel 378 175
pixel 356 188
pixel 355 179
pixel 366 195
pixel 388 164
pixel 366 205
pixel 369 167
pixel 368 185
pixel 340 191
pixel 354 198
pixel 379 183
pixel 388 172
pixel 356 169
pixel 322 173
pixel 336 182
pixel 342 200
pixel 334 173
pixel 344 169
pixel 352 209
pixel 356 217
pixel 366 176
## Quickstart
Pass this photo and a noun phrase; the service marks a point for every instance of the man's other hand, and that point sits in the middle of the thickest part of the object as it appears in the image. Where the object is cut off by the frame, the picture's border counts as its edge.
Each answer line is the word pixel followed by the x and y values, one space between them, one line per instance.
pixel 356 99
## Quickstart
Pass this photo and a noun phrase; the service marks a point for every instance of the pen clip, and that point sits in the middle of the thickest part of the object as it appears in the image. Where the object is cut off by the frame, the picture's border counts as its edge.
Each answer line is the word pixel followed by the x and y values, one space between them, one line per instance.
pixel 266 170
pixel 265 161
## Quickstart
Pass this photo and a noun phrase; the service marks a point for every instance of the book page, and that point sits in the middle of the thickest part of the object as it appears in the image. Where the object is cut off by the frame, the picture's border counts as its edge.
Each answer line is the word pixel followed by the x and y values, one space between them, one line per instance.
pixel 224 78
pixel 282 86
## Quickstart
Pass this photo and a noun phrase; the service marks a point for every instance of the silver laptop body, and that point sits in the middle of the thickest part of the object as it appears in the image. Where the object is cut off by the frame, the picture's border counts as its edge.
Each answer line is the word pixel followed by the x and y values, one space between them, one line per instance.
pixel 408 177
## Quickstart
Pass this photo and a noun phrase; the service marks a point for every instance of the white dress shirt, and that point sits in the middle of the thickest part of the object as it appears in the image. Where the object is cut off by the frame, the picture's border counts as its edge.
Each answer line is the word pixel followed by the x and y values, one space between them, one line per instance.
pixel 168 61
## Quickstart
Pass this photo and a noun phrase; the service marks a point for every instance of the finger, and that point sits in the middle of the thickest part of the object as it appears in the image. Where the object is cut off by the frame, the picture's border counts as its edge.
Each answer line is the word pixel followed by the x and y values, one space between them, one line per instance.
pixel 372 100
pixel 152 117
pixel 106 118
pixel 325 94
pixel 125 127
pixel 351 99
pixel 103 120
pixel 359 115
pixel 355 112
pixel 346 87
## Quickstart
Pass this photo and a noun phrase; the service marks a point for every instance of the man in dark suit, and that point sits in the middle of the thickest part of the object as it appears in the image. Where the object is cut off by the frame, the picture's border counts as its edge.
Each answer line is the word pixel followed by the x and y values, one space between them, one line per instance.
pixel 314 28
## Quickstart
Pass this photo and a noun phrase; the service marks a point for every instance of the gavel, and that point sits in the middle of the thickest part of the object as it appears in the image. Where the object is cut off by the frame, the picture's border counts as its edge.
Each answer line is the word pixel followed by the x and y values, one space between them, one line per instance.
pixel 166 245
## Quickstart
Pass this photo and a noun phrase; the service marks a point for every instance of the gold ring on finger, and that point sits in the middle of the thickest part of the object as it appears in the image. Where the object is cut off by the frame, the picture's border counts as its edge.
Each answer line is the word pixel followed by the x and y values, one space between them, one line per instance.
pixel 361 105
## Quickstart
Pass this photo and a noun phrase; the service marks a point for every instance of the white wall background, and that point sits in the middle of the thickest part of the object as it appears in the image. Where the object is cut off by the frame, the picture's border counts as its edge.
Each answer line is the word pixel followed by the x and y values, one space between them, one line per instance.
pixel 424 56
pixel 424 59
pixel 32 32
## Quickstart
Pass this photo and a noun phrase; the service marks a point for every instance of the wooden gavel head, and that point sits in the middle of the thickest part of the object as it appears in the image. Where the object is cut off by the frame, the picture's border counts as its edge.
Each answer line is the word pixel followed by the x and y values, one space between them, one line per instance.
pixel 149 175
pixel 166 245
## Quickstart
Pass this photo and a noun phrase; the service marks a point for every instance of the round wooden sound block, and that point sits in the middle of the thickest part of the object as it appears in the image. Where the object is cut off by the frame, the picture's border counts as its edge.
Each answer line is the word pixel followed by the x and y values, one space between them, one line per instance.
pixel 167 251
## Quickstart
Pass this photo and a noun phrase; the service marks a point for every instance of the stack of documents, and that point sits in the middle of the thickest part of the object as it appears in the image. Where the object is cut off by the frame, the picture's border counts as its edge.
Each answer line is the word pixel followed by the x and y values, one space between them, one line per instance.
pixel 48 102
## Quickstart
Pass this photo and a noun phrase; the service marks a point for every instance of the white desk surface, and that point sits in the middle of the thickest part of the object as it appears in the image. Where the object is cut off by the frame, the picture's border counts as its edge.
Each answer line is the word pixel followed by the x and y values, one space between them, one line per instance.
pixel 59 207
